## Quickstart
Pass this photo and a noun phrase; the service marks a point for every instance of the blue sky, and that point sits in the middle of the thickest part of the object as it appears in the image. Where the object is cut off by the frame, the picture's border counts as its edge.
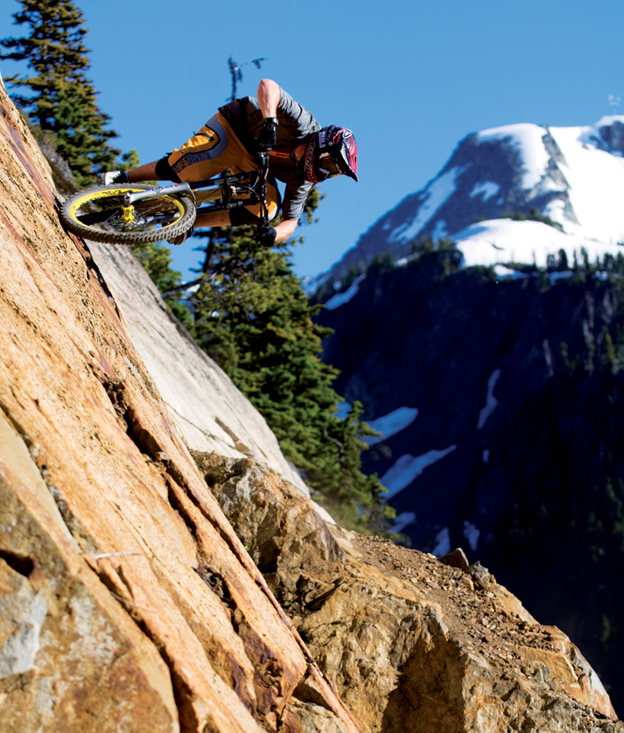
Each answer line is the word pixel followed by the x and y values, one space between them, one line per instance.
pixel 410 78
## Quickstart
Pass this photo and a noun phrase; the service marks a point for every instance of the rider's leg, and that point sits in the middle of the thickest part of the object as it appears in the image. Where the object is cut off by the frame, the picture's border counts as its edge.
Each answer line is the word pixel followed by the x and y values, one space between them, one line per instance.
pixel 145 172
pixel 213 219
pixel 214 149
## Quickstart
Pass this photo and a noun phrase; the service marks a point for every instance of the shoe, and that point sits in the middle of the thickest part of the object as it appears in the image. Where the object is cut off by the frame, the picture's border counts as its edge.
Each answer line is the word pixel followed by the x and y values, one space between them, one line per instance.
pixel 110 178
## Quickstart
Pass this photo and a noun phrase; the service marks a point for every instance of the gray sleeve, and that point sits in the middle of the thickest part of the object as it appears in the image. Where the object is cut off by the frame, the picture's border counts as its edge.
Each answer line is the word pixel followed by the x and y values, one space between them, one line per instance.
pixel 294 118
pixel 295 198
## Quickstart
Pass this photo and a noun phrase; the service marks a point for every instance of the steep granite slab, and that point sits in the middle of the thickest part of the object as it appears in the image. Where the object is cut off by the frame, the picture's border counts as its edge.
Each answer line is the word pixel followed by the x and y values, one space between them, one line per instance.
pixel 208 410
pixel 128 601
pixel 61 630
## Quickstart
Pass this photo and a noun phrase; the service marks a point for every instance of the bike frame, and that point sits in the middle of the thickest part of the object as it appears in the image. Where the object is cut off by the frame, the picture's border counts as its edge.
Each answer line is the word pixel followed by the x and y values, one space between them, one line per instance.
pixel 253 182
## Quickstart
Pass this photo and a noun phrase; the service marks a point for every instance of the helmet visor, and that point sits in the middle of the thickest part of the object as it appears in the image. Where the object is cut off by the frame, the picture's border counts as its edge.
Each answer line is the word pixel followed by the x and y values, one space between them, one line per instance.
pixel 328 167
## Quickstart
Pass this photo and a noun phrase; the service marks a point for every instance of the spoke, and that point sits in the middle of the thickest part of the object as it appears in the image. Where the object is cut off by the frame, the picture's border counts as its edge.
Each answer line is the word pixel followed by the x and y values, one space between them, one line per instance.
pixel 158 212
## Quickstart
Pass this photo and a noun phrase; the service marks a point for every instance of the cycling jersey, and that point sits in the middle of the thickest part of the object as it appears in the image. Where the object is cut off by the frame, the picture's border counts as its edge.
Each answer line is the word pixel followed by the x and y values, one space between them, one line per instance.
pixel 295 125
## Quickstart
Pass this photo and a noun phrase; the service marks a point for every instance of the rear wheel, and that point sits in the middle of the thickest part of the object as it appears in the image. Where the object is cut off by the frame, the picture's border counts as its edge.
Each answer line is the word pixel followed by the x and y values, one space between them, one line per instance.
pixel 99 214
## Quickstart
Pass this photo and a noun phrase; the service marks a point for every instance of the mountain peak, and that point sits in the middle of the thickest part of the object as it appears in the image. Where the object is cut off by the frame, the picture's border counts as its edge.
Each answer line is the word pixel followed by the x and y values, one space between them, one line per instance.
pixel 569 177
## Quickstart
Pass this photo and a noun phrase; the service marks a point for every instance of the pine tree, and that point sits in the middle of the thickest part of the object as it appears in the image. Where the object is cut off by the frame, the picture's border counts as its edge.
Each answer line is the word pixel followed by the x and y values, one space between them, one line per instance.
pixel 62 100
pixel 255 320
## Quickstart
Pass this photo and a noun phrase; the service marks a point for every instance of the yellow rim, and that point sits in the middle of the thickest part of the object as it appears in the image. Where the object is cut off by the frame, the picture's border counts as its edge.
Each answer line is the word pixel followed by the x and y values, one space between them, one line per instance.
pixel 108 194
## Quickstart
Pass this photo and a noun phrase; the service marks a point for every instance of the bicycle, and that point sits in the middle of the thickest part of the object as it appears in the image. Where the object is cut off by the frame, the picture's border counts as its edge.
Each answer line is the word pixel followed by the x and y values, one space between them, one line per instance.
pixel 136 213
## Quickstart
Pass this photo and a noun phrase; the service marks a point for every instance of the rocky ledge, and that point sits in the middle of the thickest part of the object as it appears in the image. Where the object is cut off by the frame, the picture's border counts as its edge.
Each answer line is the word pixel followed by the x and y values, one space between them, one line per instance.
pixel 411 643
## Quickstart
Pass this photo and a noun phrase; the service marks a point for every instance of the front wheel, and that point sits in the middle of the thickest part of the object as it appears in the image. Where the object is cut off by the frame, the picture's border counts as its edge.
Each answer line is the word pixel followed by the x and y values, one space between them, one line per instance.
pixel 100 214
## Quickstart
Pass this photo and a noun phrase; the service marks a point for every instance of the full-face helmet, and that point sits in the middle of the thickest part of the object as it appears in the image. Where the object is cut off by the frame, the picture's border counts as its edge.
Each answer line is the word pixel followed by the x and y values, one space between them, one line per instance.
pixel 330 152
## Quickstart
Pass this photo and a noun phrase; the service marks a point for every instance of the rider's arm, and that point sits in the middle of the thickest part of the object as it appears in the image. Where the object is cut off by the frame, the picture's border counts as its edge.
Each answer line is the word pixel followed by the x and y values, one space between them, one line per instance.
pixel 269 95
pixel 285 229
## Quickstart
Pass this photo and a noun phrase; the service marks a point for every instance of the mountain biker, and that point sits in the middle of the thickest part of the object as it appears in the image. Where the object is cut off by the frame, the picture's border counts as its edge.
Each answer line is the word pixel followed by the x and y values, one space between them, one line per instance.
pixel 301 153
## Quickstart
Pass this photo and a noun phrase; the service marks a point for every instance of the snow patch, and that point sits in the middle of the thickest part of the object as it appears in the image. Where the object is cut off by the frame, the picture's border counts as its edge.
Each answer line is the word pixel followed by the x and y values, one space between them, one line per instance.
pixel 391 424
pixel 596 183
pixel 486 190
pixel 609 120
pixel 504 240
pixel 504 273
pixel 490 400
pixel 471 533
pixel 435 193
pixel 402 521
pixel 443 543
pixel 407 468
pixel 439 231
pixel 556 210
pixel 528 140
pixel 554 276
pixel 341 298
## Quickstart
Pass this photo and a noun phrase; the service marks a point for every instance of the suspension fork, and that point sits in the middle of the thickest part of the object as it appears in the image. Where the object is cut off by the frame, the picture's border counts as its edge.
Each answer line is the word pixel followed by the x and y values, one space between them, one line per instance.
pixel 132 197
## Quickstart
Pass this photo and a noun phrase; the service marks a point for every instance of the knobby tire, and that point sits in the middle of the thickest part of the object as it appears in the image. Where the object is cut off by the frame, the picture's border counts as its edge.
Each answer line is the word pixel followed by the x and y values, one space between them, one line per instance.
pixel 86 203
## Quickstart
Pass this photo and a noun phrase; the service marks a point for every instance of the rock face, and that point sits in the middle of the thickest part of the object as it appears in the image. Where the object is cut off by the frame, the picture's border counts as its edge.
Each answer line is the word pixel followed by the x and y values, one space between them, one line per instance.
pixel 126 600
pixel 208 410
pixel 129 603
pixel 411 643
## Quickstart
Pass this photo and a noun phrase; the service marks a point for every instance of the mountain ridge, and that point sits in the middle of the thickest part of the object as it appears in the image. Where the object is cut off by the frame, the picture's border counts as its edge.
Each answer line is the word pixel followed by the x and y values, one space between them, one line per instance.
pixel 571 175
pixel 500 403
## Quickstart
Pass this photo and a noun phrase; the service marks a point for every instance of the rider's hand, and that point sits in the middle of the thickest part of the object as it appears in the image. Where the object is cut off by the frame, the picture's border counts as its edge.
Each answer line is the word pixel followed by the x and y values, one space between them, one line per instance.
pixel 266 235
pixel 268 135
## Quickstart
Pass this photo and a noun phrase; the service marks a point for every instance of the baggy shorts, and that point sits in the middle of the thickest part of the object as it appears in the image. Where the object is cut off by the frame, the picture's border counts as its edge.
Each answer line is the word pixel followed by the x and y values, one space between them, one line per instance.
pixel 214 150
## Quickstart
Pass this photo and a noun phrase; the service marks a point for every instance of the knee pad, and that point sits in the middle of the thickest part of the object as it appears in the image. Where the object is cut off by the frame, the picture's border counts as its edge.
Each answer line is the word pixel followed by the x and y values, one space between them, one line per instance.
pixel 165 172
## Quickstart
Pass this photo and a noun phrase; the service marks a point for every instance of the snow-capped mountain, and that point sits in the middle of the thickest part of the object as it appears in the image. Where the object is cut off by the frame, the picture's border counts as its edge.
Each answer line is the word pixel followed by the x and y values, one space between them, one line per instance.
pixel 499 399
pixel 572 175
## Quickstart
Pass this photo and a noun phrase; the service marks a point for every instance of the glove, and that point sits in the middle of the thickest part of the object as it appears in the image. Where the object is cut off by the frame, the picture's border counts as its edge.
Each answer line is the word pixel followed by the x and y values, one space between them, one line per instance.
pixel 268 135
pixel 182 237
pixel 266 235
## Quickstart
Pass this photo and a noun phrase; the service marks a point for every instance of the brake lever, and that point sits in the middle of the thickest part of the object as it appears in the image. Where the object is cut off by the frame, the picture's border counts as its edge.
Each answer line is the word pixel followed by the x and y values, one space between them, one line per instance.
pixel 262 158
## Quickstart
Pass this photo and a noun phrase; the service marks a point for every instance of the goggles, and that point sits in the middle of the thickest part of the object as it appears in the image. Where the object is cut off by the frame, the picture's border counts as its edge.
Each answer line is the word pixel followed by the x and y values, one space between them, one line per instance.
pixel 328 166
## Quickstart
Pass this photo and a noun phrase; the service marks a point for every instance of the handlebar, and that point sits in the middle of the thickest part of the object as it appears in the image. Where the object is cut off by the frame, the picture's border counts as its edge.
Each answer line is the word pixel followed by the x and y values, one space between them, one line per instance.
pixel 262 158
